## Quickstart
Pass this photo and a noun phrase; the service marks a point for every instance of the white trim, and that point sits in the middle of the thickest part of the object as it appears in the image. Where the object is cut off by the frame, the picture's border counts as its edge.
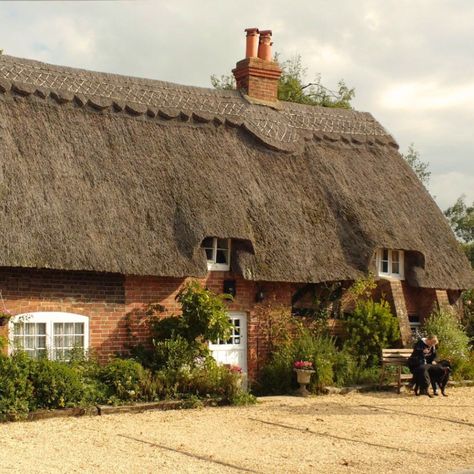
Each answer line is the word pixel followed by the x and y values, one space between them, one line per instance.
pixel 212 265
pixel 48 318
pixel 390 274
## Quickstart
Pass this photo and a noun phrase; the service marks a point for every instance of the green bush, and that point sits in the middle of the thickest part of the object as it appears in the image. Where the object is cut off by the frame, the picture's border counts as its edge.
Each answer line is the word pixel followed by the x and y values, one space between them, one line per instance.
pixel 204 316
pixel 278 376
pixel 205 380
pixel 468 313
pixel 176 353
pixel 16 389
pixel 370 328
pixel 465 370
pixel 453 341
pixel 125 380
pixel 88 368
pixel 55 385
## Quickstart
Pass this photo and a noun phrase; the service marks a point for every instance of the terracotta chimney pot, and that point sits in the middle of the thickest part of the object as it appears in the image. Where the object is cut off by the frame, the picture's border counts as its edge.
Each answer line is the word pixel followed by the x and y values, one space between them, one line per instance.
pixel 251 49
pixel 265 45
pixel 257 75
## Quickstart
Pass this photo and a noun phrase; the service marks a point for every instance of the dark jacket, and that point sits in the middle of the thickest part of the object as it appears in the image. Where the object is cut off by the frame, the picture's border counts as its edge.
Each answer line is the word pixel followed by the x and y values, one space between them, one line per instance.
pixel 422 354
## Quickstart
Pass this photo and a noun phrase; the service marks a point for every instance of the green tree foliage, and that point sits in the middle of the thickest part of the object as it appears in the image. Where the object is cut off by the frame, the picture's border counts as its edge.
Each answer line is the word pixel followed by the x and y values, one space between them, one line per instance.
pixel 293 86
pixel 468 313
pixel 420 167
pixel 224 82
pixel 453 340
pixel 370 328
pixel 461 218
pixel 204 313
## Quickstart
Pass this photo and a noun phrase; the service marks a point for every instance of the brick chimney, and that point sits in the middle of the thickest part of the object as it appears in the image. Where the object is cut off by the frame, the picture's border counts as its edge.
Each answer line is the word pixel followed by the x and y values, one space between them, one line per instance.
pixel 257 75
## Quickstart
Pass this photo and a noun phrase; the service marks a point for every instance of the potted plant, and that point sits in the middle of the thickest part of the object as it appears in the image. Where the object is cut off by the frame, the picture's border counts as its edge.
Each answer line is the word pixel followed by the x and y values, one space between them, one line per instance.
pixel 237 371
pixel 5 316
pixel 304 370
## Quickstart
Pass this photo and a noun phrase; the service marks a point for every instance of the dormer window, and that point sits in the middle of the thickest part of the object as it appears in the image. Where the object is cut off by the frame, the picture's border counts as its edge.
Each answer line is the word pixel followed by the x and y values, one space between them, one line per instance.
pixel 217 253
pixel 390 263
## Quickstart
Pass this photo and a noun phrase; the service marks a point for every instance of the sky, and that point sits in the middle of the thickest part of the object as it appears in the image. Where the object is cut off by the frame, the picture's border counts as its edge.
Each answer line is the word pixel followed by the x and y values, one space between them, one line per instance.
pixel 411 61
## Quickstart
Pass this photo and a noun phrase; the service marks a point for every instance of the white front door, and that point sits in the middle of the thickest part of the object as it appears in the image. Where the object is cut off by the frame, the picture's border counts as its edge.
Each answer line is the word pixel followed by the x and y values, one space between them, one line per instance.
pixel 234 350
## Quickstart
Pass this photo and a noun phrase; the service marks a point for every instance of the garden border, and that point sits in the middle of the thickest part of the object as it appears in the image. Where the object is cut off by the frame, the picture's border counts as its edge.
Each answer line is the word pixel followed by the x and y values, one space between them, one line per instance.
pixel 164 405
pixel 100 410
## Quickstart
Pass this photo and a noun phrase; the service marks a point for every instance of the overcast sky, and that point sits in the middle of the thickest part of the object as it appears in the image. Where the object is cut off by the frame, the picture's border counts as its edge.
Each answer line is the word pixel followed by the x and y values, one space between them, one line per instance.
pixel 410 61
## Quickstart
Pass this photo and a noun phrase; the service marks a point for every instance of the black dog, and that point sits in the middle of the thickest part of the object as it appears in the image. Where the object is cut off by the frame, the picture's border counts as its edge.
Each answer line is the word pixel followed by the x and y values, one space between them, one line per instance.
pixel 439 375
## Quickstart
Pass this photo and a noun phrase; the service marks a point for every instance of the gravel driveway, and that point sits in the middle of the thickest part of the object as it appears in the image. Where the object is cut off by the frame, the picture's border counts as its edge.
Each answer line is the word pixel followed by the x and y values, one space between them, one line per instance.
pixel 366 433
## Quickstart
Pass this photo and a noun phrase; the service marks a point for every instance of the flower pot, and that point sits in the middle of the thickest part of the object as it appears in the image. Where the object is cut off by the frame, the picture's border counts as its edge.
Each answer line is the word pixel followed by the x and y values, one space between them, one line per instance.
pixel 303 377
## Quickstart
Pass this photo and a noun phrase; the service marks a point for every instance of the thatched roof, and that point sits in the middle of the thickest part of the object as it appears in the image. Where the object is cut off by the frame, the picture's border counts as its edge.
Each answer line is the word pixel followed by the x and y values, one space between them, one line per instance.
pixel 117 174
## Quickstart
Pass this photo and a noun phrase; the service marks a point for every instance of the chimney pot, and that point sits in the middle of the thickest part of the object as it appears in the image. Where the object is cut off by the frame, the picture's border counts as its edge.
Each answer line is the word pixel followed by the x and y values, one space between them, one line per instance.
pixel 251 48
pixel 265 45
pixel 257 75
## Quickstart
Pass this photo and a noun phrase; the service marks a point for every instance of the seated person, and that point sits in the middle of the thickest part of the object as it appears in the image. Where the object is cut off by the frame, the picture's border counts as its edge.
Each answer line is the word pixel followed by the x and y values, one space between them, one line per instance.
pixel 421 359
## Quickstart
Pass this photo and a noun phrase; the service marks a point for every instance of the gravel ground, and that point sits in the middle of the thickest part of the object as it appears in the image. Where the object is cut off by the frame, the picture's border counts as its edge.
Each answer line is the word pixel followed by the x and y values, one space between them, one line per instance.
pixel 363 433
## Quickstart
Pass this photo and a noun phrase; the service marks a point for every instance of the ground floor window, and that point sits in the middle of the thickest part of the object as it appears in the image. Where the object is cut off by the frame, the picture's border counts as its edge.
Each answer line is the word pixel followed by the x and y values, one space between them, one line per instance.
pixel 415 325
pixel 54 334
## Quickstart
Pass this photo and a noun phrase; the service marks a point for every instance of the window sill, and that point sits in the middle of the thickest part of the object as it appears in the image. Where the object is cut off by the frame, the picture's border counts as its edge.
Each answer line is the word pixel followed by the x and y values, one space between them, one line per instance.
pixel 391 277
pixel 217 267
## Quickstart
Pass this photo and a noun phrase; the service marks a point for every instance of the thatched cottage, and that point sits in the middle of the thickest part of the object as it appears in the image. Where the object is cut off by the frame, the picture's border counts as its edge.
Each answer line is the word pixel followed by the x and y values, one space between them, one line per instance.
pixel 115 190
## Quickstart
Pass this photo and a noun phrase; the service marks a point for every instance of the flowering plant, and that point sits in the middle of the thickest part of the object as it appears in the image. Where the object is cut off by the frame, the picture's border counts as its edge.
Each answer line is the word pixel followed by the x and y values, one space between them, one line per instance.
pixel 235 369
pixel 303 365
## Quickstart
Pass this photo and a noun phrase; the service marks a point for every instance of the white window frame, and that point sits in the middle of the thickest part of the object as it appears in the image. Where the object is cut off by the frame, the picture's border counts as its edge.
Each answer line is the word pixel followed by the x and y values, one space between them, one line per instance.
pixel 390 274
pixel 212 265
pixel 48 318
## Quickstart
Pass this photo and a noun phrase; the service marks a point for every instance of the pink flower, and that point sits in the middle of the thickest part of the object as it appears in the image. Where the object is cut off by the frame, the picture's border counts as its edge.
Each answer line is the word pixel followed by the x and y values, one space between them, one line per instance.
pixel 303 365
pixel 235 369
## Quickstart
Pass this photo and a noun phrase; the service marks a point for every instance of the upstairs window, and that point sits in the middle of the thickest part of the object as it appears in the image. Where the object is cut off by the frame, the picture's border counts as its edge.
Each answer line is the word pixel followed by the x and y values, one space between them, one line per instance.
pixel 390 263
pixel 217 253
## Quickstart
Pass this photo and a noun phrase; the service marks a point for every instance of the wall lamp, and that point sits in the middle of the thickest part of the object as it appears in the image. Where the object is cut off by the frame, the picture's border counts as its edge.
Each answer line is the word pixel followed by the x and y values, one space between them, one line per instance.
pixel 260 296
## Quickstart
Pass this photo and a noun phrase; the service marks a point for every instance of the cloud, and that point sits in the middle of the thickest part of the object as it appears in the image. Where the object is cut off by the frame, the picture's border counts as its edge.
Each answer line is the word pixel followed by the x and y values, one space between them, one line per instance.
pixel 449 186
pixel 427 96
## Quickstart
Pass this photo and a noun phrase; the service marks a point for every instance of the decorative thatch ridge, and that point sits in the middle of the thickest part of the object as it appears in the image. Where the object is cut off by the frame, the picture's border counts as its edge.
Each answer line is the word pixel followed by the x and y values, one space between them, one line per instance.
pixel 281 129
pixel 113 174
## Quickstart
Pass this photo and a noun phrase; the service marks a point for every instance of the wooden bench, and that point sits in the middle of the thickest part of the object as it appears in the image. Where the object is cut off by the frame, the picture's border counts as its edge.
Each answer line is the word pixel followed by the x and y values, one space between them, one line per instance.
pixel 397 358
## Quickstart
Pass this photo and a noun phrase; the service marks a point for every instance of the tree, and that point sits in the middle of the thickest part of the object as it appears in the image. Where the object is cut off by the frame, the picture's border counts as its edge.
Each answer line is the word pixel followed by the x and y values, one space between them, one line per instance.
pixel 292 86
pixel 461 218
pixel 420 167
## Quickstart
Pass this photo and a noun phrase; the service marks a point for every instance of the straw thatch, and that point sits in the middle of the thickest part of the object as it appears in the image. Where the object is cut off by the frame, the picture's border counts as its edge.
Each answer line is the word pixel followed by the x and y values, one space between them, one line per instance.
pixel 109 173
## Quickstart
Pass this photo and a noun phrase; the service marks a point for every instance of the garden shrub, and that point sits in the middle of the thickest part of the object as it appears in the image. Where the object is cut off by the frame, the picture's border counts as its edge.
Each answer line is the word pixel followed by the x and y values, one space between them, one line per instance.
pixel 88 368
pixel 370 328
pixel 468 313
pixel 16 389
pixel 453 341
pixel 55 385
pixel 125 379
pixel 278 376
pixel 176 353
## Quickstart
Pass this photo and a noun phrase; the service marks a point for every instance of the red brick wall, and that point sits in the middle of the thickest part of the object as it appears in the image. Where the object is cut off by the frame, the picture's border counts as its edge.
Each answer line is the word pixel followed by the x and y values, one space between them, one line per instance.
pixel 419 301
pixel 115 304
pixel 99 296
